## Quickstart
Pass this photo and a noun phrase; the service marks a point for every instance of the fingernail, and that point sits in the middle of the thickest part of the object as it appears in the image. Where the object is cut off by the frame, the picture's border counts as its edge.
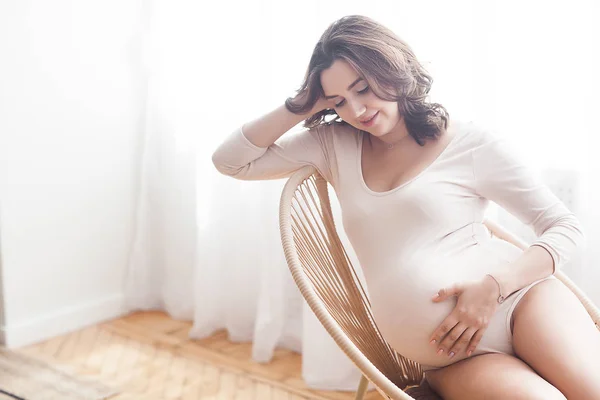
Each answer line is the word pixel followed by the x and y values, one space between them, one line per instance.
pixel 432 341
pixel 469 353
pixel 451 354
pixel 440 351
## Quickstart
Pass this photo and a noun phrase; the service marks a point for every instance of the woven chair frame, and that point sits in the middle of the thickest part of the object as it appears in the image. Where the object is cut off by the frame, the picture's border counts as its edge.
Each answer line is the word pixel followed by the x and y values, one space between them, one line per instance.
pixel 328 281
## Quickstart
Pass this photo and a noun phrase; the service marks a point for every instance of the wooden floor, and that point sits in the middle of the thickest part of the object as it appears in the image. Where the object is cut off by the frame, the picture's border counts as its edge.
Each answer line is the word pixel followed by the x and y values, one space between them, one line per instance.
pixel 149 356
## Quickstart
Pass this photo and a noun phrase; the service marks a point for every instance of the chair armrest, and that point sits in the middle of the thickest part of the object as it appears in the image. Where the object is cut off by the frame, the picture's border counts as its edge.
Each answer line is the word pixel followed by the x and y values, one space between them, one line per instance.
pixel 502 233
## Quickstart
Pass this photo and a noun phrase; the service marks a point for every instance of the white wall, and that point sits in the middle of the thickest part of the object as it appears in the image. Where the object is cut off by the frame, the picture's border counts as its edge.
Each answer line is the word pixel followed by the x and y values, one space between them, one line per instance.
pixel 70 106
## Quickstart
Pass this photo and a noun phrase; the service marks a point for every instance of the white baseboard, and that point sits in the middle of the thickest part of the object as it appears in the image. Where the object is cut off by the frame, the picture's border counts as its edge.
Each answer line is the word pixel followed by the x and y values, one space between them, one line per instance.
pixel 63 321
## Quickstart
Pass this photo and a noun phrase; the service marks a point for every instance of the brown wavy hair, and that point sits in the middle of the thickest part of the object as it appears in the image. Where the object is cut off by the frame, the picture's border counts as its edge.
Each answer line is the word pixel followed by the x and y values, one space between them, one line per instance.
pixel 389 66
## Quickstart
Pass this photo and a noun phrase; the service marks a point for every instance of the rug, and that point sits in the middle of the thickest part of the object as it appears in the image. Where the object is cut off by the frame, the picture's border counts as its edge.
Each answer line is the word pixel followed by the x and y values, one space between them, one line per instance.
pixel 26 378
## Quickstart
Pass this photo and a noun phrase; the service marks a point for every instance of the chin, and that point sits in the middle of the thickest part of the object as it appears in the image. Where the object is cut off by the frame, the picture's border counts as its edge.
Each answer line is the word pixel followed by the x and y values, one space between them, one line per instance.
pixel 380 133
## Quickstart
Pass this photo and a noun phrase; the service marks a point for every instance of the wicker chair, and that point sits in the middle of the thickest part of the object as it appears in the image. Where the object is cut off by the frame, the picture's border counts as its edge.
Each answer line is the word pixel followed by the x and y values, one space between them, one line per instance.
pixel 327 280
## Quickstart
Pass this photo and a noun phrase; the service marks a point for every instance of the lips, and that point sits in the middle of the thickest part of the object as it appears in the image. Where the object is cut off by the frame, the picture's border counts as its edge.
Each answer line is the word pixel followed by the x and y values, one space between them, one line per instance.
pixel 369 121
pixel 366 120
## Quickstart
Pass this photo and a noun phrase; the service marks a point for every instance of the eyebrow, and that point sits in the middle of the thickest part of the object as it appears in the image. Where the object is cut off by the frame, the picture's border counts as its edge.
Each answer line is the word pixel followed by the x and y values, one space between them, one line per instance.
pixel 349 87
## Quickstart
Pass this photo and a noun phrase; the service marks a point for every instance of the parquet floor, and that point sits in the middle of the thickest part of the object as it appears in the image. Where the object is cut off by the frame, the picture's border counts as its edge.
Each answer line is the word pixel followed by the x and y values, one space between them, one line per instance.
pixel 149 356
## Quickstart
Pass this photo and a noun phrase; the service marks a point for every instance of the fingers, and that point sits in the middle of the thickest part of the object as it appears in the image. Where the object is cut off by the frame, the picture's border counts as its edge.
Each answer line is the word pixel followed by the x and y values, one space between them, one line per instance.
pixel 475 341
pixel 454 336
pixel 453 339
pixel 463 342
pixel 440 333
pixel 463 329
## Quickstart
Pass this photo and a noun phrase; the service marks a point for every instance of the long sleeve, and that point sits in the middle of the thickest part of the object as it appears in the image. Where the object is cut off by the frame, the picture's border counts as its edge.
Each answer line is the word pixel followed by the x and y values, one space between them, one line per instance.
pixel 502 178
pixel 239 158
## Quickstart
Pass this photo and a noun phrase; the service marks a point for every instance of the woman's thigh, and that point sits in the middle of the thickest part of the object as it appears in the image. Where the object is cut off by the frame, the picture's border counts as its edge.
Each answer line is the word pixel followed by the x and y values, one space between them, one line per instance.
pixel 491 376
pixel 555 335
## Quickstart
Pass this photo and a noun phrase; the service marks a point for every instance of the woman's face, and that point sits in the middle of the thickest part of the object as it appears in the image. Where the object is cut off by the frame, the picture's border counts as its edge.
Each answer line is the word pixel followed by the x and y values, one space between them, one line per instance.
pixel 355 102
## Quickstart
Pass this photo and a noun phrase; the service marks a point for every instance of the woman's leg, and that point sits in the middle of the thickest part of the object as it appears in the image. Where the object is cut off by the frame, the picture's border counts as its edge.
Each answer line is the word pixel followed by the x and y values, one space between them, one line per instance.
pixel 491 376
pixel 553 333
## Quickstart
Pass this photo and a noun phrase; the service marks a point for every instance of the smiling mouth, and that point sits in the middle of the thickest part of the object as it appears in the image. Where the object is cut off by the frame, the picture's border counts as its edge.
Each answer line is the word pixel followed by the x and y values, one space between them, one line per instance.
pixel 370 119
pixel 367 120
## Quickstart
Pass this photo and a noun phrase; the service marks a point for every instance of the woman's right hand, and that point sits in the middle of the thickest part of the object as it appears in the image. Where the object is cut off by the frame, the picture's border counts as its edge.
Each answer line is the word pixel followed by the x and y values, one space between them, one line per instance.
pixel 319 106
pixel 322 104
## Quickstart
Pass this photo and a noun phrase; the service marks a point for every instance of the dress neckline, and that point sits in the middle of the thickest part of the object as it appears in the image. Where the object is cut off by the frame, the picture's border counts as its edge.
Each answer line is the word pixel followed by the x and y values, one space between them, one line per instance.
pixel 403 184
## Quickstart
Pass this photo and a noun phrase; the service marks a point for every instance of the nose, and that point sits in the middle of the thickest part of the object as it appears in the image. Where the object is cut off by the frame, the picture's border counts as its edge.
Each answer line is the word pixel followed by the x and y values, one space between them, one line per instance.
pixel 358 108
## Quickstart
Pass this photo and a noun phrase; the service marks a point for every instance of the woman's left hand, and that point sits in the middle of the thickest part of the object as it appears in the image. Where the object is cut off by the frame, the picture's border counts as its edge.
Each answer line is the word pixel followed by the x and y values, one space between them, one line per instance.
pixel 465 326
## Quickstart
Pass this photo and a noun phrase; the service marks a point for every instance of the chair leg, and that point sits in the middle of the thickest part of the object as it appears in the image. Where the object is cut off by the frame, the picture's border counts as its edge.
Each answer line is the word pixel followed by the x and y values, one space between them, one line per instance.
pixel 362 388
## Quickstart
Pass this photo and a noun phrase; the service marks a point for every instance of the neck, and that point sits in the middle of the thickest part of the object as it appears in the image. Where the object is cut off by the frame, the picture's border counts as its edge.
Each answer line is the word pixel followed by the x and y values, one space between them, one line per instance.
pixel 387 144
pixel 395 138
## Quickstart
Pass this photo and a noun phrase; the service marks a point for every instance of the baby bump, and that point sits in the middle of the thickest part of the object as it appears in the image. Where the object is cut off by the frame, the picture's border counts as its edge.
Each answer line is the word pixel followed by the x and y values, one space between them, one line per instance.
pixel 401 299
pixel 406 315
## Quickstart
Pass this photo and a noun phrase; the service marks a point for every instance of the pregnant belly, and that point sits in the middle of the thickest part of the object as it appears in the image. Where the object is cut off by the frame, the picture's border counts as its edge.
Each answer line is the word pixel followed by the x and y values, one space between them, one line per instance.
pixel 401 299
pixel 407 317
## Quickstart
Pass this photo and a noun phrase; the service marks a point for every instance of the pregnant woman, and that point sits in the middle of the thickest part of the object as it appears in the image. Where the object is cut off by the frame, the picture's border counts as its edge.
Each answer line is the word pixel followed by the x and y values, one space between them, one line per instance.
pixel 484 318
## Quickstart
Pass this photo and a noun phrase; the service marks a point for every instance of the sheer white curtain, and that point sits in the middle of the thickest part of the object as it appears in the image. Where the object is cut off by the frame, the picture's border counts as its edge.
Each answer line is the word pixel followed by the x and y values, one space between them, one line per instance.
pixel 207 247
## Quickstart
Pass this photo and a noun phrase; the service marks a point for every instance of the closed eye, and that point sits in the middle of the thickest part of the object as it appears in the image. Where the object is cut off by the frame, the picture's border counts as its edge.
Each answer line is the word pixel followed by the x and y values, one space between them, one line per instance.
pixel 341 103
